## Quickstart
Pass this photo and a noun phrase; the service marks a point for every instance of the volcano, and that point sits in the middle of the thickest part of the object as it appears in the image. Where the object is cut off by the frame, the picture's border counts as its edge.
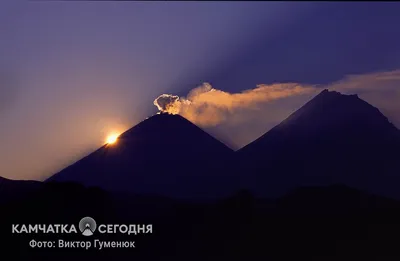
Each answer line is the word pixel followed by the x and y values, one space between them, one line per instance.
pixel 164 154
pixel 334 138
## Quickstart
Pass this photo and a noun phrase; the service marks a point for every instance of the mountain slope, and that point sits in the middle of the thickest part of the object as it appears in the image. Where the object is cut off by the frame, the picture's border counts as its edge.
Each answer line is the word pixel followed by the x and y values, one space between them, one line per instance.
pixel 332 138
pixel 165 154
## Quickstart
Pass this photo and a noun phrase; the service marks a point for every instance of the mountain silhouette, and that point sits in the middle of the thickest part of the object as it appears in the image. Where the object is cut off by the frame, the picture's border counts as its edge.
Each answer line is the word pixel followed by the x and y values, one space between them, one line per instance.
pixel 334 138
pixel 303 189
pixel 164 154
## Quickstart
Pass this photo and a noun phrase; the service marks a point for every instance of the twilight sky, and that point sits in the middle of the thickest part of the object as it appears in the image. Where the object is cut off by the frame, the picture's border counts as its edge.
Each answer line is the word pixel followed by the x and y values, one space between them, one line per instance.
pixel 73 72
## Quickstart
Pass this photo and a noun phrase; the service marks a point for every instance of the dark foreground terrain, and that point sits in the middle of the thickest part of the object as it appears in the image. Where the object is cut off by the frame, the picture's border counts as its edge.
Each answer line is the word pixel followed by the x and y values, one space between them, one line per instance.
pixel 317 223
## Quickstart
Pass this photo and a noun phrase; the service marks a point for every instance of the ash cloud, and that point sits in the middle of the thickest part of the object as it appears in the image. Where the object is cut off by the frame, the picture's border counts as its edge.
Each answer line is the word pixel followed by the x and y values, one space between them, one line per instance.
pixel 167 103
pixel 207 106
pixel 239 118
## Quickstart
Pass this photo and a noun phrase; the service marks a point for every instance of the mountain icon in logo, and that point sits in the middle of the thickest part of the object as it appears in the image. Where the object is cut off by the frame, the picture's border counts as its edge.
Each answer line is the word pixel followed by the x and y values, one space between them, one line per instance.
pixel 87 226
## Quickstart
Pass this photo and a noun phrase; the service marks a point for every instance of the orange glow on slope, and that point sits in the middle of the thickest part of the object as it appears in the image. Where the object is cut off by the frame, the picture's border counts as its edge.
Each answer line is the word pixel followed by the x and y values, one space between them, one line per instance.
pixel 112 138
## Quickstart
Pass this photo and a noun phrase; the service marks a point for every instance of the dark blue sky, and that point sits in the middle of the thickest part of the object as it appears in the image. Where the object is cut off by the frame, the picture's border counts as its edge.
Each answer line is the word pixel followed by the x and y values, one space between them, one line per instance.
pixel 334 40
pixel 73 72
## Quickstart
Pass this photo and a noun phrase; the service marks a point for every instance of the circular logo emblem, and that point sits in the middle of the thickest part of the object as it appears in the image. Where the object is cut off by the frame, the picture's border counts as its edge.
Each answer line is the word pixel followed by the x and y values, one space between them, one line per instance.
pixel 87 226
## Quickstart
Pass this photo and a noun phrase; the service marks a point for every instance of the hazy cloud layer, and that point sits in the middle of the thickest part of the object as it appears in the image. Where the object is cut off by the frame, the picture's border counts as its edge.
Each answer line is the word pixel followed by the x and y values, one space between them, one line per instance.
pixel 239 118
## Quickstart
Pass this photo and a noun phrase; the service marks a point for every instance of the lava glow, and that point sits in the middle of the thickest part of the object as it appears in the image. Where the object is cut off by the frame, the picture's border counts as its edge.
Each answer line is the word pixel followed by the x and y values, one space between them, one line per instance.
pixel 112 139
